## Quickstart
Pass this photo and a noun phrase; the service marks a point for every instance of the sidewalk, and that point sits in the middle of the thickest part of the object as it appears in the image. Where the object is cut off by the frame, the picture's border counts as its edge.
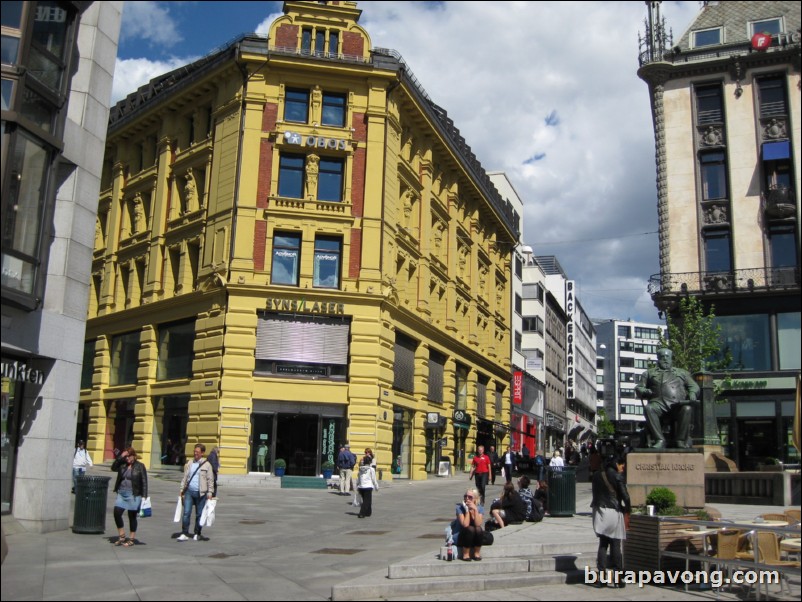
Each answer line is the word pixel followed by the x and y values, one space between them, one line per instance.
pixel 282 544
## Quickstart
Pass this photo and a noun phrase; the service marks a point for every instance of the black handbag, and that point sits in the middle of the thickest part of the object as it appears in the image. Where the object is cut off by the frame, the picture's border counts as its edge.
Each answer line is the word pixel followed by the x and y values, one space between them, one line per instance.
pixel 487 538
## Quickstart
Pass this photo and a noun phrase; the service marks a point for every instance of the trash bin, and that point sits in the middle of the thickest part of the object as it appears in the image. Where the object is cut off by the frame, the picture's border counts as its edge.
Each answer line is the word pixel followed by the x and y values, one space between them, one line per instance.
pixel 562 491
pixel 91 494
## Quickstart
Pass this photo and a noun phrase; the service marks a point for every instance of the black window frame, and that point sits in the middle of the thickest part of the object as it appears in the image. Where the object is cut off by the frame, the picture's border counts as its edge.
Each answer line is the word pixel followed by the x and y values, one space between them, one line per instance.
pixel 717 234
pixel 291 176
pixel 175 357
pixel 296 100
pixel 327 175
pixel 713 174
pixel 334 101
pixel 279 247
pixel 320 250
pixel 124 350
pixel 709 100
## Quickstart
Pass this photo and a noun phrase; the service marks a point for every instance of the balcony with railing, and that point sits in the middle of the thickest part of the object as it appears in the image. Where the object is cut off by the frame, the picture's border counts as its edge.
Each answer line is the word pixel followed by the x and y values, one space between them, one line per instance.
pixel 664 51
pixel 735 282
pixel 778 203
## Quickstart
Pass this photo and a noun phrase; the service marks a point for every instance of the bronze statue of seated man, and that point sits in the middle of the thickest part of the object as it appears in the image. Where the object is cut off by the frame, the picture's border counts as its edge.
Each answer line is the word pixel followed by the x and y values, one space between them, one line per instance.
pixel 670 392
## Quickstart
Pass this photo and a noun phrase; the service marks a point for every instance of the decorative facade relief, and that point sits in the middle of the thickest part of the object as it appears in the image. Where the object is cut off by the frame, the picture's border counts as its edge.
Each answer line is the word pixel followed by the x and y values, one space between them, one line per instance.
pixel 138 219
pixel 716 214
pixel 190 199
pixel 775 129
pixel 712 135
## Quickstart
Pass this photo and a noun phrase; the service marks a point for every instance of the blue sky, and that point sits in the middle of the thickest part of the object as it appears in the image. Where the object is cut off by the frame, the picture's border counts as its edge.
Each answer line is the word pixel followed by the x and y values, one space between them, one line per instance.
pixel 545 91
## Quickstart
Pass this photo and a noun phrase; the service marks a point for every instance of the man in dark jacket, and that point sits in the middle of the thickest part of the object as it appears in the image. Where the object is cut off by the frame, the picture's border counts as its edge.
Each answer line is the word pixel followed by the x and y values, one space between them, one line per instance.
pixel 346 460
pixel 495 464
pixel 509 464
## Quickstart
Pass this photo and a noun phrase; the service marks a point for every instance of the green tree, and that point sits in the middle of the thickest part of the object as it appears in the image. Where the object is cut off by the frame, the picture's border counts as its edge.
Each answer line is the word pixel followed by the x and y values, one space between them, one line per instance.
pixel 696 343
pixel 695 339
pixel 604 427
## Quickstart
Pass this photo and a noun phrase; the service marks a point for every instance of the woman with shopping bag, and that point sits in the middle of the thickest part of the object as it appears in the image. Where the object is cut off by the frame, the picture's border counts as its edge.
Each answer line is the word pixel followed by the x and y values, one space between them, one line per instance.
pixel 131 488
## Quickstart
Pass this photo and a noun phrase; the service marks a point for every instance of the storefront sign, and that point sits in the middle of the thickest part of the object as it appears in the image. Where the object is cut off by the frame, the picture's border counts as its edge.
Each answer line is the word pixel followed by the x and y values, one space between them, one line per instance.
pixel 301 305
pixel 569 346
pixel 317 141
pixel 462 417
pixel 20 372
pixel 517 387
pixel 555 422
pixel 328 440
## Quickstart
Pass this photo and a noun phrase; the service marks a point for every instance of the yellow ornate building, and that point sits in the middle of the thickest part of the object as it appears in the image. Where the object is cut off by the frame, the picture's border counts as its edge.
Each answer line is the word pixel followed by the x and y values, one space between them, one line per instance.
pixel 296 248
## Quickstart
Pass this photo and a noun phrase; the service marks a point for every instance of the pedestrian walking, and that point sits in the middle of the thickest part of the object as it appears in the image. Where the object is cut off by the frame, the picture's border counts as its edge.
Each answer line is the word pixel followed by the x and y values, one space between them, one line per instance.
pixel 131 486
pixel 214 460
pixel 480 470
pixel 346 461
pixel 196 487
pixel 509 464
pixel 610 503
pixel 495 464
pixel 367 484
pixel 81 460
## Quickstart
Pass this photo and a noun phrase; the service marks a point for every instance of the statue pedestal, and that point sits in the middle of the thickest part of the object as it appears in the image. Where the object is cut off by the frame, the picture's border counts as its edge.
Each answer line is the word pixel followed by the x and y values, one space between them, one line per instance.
pixel 680 470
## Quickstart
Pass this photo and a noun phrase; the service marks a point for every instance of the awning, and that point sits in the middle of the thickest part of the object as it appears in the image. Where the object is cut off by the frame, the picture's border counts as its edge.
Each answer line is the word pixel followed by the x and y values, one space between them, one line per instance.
pixel 575 430
pixel 774 151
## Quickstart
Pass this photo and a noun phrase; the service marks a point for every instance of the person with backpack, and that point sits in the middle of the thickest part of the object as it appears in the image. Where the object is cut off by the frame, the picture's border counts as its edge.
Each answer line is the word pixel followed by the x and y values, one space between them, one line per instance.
pixel 534 507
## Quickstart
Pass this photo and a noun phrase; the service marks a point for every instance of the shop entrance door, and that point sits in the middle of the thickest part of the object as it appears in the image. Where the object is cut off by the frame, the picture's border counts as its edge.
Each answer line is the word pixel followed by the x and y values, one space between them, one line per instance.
pixel 261 442
pixel 757 441
pixel 297 443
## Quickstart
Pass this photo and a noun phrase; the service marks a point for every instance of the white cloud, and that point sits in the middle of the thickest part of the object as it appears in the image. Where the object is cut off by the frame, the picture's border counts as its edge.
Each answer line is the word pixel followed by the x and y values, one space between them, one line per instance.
pixel 150 21
pixel 549 93
pixel 130 74
pixel 264 27
pixel 546 91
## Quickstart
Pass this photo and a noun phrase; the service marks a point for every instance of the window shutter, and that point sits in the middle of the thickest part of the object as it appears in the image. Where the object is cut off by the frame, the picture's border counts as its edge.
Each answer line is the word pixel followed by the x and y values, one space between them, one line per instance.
pixel 437 368
pixel 404 366
pixel 303 339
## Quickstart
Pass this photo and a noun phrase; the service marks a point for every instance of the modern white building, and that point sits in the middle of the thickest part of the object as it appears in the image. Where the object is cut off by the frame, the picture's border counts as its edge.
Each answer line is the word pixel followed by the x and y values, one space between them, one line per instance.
pixel 528 344
pixel 580 352
pixel 626 350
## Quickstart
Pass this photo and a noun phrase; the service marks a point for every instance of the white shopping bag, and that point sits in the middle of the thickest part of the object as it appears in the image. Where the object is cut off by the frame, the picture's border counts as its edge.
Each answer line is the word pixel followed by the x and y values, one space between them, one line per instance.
pixel 179 510
pixel 207 516
pixel 145 508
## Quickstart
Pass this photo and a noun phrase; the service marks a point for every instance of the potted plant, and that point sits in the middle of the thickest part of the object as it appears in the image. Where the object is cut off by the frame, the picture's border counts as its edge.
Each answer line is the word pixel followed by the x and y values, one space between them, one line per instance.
pixel 328 469
pixel 279 466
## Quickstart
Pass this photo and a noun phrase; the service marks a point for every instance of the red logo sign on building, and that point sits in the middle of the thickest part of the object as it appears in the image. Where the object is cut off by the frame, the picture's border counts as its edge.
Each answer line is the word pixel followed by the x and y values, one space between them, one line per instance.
pixel 517 387
pixel 761 41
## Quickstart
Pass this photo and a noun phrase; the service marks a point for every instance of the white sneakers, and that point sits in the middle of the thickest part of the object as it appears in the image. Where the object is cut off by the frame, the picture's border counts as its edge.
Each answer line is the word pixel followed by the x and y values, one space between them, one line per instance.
pixel 183 537
pixel 195 537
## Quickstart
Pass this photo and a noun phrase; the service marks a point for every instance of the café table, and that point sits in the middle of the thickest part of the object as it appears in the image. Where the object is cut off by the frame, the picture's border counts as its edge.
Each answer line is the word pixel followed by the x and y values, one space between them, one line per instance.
pixel 791 546
pixel 762 523
pixel 688 535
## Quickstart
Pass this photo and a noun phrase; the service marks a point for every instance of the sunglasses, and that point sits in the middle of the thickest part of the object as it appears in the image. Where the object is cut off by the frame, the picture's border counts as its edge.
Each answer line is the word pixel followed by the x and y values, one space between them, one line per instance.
pixel 468 497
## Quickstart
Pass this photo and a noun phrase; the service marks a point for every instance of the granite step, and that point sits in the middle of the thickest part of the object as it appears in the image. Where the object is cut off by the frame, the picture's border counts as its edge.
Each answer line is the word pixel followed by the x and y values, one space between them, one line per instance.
pixel 390 588
pixel 504 566
pixel 249 480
